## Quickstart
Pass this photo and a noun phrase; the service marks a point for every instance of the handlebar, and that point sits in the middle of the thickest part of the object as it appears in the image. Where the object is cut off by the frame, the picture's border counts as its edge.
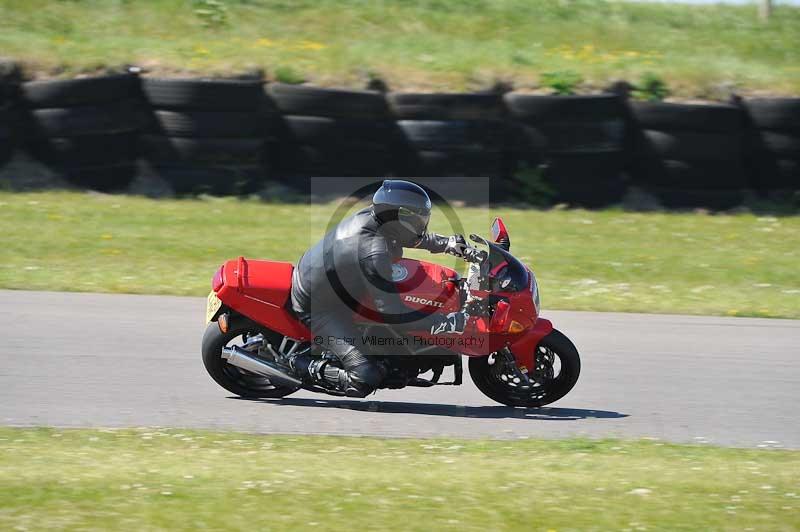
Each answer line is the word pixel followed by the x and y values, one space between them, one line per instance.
pixel 475 255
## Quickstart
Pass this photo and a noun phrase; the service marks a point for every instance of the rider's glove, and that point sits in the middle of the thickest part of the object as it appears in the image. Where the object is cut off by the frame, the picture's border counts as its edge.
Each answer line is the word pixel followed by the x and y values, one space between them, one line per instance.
pixel 453 323
pixel 456 245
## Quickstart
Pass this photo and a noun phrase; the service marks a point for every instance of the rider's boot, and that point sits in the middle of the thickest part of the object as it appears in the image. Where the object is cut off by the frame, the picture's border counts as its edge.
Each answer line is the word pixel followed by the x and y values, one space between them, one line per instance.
pixel 306 368
pixel 360 381
pixel 318 372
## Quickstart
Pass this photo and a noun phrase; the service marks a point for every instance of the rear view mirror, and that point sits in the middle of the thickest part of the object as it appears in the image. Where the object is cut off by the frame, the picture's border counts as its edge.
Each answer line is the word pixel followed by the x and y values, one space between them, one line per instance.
pixel 500 234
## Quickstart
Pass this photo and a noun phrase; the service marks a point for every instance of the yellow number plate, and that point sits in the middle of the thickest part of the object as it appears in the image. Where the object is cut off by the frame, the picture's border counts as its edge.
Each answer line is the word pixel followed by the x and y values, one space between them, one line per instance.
pixel 213 305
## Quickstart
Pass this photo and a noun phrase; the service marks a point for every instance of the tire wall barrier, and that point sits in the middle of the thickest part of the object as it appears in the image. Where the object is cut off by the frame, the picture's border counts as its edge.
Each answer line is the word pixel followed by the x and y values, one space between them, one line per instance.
pixel 7 139
pixel 458 135
pixel 206 135
pixel 84 129
pixel 231 136
pixel 773 144
pixel 580 138
pixel 9 80
pixel 689 155
pixel 332 132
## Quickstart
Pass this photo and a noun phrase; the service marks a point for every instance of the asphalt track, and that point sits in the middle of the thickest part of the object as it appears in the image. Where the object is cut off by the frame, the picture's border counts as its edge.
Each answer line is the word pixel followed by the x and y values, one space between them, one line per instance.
pixel 89 360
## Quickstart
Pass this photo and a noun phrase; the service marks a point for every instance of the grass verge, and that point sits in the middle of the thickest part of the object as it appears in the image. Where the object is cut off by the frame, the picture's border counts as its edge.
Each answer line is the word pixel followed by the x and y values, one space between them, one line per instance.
pixel 187 480
pixel 434 44
pixel 737 265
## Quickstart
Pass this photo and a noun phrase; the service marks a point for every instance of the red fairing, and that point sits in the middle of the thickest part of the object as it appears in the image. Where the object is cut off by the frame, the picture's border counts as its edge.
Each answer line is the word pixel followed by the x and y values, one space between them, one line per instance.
pixel 485 335
pixel 524 348
pixel 217 282
pixel 259 289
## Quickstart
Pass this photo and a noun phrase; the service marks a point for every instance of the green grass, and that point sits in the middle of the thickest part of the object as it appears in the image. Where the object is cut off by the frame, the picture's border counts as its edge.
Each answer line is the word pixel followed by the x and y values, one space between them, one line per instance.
pixel 185 480
pixel 428 44
pixel 738 265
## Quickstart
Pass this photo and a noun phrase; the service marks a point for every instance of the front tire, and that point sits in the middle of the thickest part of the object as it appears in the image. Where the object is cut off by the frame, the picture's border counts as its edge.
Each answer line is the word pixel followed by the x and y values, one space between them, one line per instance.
pixel 233 379
pixel 558 366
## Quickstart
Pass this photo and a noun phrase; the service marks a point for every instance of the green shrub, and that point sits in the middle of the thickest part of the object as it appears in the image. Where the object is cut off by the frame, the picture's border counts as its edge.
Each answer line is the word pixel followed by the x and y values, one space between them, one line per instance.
pixel 532 187
pixel 651 88
pixel 212 13
pixel 562 81
pixel 287 74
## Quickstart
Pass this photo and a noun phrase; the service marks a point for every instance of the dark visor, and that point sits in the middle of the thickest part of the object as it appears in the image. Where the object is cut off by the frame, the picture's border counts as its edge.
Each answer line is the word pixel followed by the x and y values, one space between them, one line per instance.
pixel 416 220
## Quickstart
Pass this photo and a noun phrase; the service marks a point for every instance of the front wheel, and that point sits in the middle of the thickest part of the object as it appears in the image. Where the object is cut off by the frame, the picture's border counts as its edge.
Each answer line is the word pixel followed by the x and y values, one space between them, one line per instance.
pixel 558 366
pixel 233 379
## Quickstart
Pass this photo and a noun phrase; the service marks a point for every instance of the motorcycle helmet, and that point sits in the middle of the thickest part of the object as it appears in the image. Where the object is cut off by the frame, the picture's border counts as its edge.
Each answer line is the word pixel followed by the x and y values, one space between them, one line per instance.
pixel 403 209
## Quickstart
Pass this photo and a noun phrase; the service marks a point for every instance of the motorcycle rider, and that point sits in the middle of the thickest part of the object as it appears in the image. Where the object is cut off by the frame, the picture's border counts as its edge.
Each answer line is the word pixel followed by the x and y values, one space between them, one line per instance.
pixel 355 260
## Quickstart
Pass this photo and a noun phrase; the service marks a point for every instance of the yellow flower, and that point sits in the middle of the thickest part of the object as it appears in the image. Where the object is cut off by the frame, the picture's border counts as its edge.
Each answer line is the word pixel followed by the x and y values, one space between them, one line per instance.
pixel 264 42
pixel 310 45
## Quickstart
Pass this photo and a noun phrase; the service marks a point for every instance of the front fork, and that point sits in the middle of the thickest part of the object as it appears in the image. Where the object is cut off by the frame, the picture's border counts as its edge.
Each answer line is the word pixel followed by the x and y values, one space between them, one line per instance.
pixel 507 364
pixel 524 349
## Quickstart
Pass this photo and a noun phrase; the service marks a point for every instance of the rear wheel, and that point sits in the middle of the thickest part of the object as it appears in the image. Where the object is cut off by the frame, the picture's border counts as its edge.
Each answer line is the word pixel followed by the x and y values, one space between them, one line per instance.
pixel 233 379
pixel 558 366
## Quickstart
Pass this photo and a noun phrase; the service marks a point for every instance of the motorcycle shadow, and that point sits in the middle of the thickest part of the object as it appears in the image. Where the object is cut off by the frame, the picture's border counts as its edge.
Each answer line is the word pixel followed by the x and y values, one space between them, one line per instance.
pixel 434 409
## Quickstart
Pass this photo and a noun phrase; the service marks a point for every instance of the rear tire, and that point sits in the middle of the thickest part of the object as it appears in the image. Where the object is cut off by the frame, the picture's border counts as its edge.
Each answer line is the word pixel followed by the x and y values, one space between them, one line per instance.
pixel 506 392
pixel 233 379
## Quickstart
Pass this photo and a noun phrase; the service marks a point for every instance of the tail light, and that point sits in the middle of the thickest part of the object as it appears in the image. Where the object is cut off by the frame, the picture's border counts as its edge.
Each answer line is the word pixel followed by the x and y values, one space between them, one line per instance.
pixel 222 322
pixel 218 280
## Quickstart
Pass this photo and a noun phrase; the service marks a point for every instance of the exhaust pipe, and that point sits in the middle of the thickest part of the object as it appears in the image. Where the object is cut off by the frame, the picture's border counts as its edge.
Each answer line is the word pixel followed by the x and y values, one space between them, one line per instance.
pixel 240 358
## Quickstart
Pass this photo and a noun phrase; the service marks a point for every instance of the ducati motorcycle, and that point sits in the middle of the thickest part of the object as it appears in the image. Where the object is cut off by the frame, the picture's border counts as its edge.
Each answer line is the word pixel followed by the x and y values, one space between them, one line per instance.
pixel 514 356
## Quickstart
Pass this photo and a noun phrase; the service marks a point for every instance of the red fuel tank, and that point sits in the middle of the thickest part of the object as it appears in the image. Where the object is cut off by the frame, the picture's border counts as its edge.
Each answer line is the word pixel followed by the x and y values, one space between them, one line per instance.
pixel 426 286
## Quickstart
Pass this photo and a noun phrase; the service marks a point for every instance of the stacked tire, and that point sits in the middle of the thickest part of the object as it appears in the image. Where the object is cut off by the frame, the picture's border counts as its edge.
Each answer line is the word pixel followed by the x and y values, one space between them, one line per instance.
pixel 6 124
pixel 774 144
pixel 453 135
pixel 206 135
pixel 581 139
pixel 331 133
pixel 84 129
pixel 690 155
pixel 9 80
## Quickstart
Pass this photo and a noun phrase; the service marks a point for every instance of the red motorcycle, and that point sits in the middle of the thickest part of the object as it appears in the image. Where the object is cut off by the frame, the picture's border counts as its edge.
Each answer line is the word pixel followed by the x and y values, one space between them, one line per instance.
pixel 515 357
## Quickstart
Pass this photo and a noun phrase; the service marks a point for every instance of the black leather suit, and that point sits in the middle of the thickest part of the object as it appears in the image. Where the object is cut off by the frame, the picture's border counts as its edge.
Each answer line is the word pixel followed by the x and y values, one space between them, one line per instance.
pixel 351 264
